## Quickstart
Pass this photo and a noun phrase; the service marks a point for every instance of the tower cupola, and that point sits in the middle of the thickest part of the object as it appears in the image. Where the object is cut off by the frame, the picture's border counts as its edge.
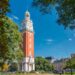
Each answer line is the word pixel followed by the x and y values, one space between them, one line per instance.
pixel 27 23
pixel 27 14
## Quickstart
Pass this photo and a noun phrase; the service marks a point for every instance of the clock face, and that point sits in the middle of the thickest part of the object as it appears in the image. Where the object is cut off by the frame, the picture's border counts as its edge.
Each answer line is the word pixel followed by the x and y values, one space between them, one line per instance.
pixel 30 28
pixel 28 25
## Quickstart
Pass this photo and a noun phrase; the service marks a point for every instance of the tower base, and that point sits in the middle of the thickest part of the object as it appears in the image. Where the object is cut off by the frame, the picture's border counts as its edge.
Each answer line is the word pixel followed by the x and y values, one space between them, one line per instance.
pixel 28 64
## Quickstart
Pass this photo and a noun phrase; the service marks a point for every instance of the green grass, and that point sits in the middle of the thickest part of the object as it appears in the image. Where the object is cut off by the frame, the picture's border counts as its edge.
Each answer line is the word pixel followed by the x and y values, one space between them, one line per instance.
pixel 31 74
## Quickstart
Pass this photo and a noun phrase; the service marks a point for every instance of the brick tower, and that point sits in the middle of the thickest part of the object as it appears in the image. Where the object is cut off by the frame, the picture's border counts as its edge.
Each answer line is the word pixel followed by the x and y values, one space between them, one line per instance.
pixel 28 44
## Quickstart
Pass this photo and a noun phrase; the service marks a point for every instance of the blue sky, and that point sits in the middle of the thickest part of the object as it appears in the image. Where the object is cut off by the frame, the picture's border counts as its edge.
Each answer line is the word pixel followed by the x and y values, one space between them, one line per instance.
pixel 50 38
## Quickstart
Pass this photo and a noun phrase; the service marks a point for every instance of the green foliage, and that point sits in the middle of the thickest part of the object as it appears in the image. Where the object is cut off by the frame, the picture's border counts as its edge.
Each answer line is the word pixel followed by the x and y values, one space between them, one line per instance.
pixel 13 67
pixel 43 5
pixel 10 39
pixel 19 55
pixel 4 7
pixel 65 10
pixel 41 64
pixel 3 42
pixel 70 63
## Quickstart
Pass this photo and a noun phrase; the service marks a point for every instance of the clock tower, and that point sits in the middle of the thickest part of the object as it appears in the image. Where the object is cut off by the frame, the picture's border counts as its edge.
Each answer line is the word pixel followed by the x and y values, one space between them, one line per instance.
pixel 28 44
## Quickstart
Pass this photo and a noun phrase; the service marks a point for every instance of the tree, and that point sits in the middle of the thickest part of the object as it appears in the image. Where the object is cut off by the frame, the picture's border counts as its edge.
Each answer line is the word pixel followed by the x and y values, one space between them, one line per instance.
pixel 64 8
pixel 4 7
pixel 41 64
pixel 70 63
pixel 10 39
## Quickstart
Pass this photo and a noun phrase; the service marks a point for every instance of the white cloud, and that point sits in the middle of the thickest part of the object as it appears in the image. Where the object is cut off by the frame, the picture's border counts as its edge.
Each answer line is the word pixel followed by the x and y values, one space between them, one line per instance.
pixel 70 39
pixel 15 17
pixel 49 41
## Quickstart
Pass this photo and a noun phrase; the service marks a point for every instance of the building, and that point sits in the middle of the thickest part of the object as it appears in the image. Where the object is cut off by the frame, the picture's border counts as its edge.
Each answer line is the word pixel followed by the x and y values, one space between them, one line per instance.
pixel 59 64
pixel 28 44
pixel 50 59
pixel 73 55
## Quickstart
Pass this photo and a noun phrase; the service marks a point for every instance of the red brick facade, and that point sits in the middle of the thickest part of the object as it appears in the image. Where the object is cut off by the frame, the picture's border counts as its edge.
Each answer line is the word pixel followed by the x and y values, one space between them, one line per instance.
pixel 28 43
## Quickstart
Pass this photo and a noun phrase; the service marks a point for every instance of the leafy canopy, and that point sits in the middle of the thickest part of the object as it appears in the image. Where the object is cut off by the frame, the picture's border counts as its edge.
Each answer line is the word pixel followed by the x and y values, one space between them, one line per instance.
pixel 10 39
pixel 41 64
pixel 4 7
pixel 65 10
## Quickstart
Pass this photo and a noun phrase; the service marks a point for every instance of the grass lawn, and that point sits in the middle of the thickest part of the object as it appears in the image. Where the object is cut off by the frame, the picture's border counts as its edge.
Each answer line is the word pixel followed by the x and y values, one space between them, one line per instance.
pixel 31 74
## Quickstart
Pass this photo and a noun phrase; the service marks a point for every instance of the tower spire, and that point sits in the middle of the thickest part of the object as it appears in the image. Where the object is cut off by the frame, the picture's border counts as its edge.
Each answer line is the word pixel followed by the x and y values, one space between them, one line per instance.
pixel 27 13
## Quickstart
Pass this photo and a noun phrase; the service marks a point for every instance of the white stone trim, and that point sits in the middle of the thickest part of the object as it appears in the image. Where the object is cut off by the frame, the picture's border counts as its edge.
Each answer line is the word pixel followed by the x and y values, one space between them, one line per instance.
pixel 28 64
